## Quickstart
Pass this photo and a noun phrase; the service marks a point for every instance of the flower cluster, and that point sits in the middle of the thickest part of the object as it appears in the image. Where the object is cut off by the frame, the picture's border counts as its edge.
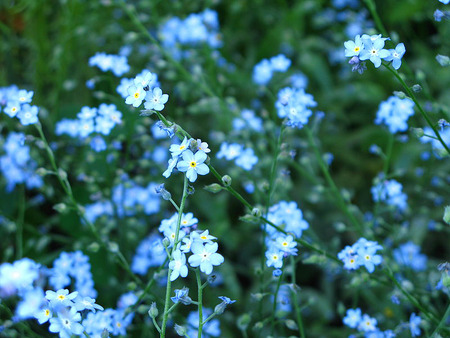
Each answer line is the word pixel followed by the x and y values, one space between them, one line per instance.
pixel 16 165
pixel 73 265
pixel 438 148
pixel 15 102
pixel 371 47
pixel 394 112
pixel 200 244
pixel 361 253
pixel 68 313
pixel 142 89
pixel 408 254
pixel 91 120
pixel 263 71
pixel 128 198
pixel 195 29
pixel 118 64
pixel 293 104
pixel 389 192
pixel 189 157
pixel 243 157
pixel 248 121
pixel 289 217
pixel 365 324
pixel 149 253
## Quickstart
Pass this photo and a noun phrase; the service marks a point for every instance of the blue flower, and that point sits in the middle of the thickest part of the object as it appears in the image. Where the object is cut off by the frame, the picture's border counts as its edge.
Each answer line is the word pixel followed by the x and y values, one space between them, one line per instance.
pixel 205 256
pixel 61 297
pixel 98 144
pixel 193 164
pixel 136 95
pixel 262 72
pixel 408 254
pixel 12 108
pixel 86 303
pixel 395 112
pixel 367 324
pixel 43 315
pixel 66 323
pixel 247 159
pixel 155 99
pixel 178 265
pixel 414 322
pixel 396 55
pixel 28 114
pixel 368 258
pixel 353 48
pixel 182 296
pixel 274 258
pixel 352 318
pixel 362 253
pixel 280 63
pixel 229 151
pixel 373 51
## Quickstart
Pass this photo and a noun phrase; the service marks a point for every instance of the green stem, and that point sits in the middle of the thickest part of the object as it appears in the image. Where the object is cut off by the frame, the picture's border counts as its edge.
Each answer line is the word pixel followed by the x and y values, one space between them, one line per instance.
pixel 373 10
pixel 19 223
pixel 442 322
pixel 410 297
pixel 169 271
pixel 387 159
pixel 68 190
pixel 295 299
pixel 181 133
pixel 421 110
pixel 325 171
pixel 274 309
pixel 200 302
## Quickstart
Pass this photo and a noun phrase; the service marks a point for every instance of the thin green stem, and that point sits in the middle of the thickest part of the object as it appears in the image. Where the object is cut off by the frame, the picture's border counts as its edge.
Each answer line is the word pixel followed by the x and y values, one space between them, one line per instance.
pixel 274 308
pixel 19 223
pixel 295 300
pixel 410 297
pixel 387 159
pixel 62 178
pixel 200 302
pixel 341 202
pixel 442 322
pixel 169 270
pixel 373 10
pixel 421 110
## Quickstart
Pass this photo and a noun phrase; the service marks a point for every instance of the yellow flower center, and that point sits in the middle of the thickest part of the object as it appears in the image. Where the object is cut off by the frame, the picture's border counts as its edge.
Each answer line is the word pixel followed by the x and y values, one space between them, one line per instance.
pixel 193 164
pixel 356 49
pixel 61 297
pixel 47 312
pixel 136 95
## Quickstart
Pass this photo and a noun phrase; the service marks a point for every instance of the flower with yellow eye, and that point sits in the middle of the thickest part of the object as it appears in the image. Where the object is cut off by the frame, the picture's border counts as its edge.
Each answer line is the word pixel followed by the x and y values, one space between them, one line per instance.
pixel 193 164
pixel 136 94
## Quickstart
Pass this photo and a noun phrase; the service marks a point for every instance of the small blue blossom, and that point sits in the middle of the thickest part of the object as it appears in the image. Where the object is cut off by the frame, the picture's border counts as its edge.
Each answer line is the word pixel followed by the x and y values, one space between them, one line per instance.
pixel 396 55
pixel 352 318
pixel 155 99
pixel 193 164
pixel 136 95
pixel 28 114
pixel 414 323
pixel 61 297
pixel 66 323
pixel 408 254
pixel 182 296
pixel 374 51
pixel 274 258
pixel 205 256
pixel 178 265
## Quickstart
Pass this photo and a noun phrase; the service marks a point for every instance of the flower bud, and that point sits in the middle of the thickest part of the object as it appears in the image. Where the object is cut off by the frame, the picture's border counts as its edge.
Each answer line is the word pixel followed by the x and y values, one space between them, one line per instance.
pixel 153 311
pixel 214 188
pixel 400 95
pixel 256 212
pixel 166 242
pixel 417 132
pixel 446 217
pixel 113 247
pixel 180 330
pixel 60 207
pixel 417 88
pixel 226 180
